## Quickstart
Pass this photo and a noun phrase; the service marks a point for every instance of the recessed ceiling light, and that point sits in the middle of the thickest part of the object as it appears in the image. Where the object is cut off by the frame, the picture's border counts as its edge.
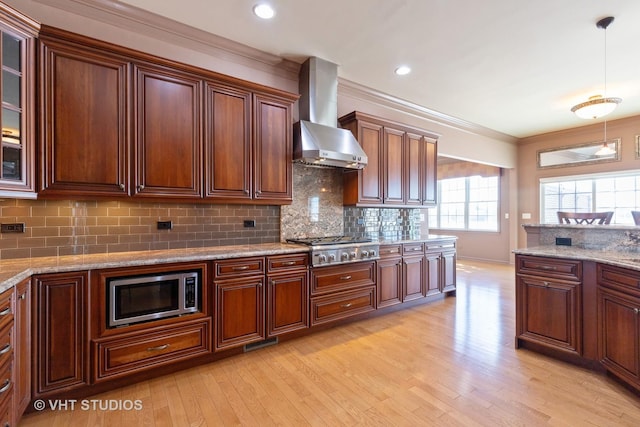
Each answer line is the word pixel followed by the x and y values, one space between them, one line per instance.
pixel 402 70
pixel 264 11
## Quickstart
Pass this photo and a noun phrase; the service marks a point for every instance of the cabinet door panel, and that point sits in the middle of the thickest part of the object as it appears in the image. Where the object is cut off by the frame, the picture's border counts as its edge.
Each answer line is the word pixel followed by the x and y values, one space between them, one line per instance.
pixel 394 166
pixel 288 303
pixel 448 269
pixel 60 330
pixel 370 178
pixel 273 149
pixel 414 170
pixel 430 172
pixel 85 120
pixel 228 143
pixel 620 334
pixel 168 145
pixel 389 282
pixel 433 273
pixel 240 308
pixel 22 353
pixel 413 278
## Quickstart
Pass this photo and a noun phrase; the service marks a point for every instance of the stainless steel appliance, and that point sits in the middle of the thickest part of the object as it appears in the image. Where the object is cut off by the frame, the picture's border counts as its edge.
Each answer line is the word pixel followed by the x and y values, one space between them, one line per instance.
pixel 336 250
pixel 150 297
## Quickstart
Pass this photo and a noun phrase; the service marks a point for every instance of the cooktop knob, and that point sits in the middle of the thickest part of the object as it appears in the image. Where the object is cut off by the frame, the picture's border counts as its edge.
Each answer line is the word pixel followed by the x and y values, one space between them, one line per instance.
pixel 344 256
pixel 372 253
pixel 365 254
pixel 332 257
pixel 323 258
pixel 352 255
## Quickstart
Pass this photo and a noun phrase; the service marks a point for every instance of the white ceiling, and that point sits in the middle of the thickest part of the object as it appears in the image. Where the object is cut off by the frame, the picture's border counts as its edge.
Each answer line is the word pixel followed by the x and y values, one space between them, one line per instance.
pixel 512 66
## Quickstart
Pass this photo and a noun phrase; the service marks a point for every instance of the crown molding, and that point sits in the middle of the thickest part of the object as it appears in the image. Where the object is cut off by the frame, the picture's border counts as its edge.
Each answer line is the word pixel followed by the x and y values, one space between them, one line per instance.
pixel 152 25
pixel 364 93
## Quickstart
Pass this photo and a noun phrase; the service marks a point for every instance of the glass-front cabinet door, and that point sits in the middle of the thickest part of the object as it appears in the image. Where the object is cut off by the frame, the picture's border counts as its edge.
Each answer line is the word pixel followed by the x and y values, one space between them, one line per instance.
pixel 17 91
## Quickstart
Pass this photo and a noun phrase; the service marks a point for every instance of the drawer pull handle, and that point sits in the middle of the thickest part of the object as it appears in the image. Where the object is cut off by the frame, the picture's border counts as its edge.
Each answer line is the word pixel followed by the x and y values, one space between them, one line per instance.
pixel 244 267
pixel 416 249
pixel 5 349
pixel 636 310
pixel 5 311
pixel 546 284
pixel 345 277
pixel 547 267
pixel 289 263
pixel 159 348
pixel 392 251
pixel 347 305
pixel 5 387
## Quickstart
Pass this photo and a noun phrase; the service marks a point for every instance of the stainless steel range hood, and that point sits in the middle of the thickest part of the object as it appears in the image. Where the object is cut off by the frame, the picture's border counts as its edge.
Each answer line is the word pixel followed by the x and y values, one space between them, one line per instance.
pixel 317 140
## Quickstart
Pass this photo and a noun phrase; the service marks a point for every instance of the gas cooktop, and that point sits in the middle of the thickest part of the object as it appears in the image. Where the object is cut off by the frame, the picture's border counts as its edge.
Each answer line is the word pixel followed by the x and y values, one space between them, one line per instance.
pixel 330 240
pixel 339 249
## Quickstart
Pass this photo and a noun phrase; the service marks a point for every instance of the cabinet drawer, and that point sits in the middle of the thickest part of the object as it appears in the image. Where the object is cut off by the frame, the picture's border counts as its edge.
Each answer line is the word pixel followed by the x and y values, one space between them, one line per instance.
pixel 412 249
pixel 6 385
pixel 6 308
pixel 239 267
pixel 389 251
pixel 619 278
pixel 287 262
pixel 549 267
pixel 147 350
pixel 342 277
pixel 6 348
pixel 342 304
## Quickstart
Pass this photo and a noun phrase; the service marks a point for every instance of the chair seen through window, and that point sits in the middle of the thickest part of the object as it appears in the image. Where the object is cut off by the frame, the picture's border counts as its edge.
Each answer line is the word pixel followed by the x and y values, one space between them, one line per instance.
pixel 585 217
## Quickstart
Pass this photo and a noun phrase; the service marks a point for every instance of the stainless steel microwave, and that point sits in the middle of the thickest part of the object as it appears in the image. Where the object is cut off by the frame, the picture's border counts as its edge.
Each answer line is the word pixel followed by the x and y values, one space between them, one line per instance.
pixel 151 297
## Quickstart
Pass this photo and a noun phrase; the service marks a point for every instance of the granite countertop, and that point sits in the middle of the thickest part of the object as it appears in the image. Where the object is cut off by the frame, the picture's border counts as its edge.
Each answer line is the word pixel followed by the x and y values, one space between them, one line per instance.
pixel 13 272
pixel 626 259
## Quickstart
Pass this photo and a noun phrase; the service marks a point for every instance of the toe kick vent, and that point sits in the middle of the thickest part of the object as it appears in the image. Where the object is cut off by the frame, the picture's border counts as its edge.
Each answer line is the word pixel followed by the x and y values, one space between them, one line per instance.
pixel 261 344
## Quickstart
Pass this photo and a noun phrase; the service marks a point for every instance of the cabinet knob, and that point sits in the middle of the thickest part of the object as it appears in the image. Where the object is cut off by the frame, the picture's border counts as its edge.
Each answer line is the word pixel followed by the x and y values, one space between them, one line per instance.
pixel 121 186
pixel 258 193
pixel 140 187
pixel 636 310
pixel 546 284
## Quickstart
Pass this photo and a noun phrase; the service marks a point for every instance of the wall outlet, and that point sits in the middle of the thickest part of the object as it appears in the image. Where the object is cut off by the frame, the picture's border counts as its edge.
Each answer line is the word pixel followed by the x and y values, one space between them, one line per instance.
pixel 165 225
pixel 12 228
pixel 249 223
pixel 563 241
pixel 526 215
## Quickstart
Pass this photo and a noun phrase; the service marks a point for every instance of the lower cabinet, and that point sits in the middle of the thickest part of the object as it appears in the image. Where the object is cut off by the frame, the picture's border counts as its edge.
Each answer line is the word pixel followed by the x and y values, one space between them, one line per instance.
pixel 150 348
pixel 22 349
pixel 61 354
pixel 287 293
pixel 239 311
pixel 341 291
pixel 7 368
pixel 390 275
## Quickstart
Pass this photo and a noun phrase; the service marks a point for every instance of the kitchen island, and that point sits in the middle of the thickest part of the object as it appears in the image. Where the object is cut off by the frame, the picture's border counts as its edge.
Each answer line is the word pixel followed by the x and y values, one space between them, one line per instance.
pixel 581 303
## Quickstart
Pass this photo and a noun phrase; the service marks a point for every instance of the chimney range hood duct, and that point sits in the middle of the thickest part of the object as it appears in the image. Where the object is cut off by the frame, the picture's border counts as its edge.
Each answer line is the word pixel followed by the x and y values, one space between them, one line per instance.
pixel 317 140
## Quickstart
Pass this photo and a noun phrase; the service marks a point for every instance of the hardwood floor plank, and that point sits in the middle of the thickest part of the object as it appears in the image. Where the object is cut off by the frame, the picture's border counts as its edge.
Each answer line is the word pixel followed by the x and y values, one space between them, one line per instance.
pixel 450 362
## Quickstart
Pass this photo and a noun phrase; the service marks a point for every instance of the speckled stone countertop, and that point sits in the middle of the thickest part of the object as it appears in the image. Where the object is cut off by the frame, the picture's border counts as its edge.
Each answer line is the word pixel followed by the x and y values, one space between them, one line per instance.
pixel 13 272
pixel 624 259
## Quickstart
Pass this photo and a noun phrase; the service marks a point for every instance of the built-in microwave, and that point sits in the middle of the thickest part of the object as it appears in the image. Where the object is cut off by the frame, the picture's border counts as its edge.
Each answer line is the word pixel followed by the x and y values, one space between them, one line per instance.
pixel 151 297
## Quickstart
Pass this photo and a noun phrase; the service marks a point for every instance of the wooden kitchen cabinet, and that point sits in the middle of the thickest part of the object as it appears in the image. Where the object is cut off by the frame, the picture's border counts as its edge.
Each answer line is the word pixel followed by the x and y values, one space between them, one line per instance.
pixel 228 147
pixel 549 309
pixel 22 349
pixel 60 319
pixel 287 293
pixel 273 148
pixel 390 275
pixel 7 355
pixel 342 291
pixel 413 272
pixel 402 164
pixel 440 268
pixel 619 321
pixel 168 149
pixel 239 304
pixel 17 157
pixel 84 117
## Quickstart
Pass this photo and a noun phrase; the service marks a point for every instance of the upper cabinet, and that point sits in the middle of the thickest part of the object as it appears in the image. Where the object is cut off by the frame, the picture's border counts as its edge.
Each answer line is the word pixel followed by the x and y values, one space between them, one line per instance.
pixel 401 170
pixel 17 90
pixel 118 122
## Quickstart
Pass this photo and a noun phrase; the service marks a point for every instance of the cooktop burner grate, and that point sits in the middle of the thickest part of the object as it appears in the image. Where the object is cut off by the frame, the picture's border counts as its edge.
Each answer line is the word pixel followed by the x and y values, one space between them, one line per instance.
pixel 330 240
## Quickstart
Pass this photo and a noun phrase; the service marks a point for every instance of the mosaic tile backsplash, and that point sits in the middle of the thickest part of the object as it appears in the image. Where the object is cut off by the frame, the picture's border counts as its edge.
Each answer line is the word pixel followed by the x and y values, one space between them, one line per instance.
pixel 386 223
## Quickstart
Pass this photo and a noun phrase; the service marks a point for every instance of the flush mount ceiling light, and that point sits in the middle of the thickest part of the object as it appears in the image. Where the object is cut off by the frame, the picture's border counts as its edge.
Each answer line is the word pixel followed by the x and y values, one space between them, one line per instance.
pixel 598 105
pixel 264 11
pixel 402 70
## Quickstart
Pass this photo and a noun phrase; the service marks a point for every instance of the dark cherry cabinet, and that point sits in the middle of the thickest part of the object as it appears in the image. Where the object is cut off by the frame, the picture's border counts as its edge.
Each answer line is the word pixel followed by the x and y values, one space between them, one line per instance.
pixel 414 278
pixel 84 123
pixel 440 267
pixel 60 322
pixel 18 58
pixel 228 142
pixel 239 305
pixel 167 155
pixel 402 164
pixel 145 127
pixel 273 148
pixel 287 293
pixel 22 348
pixel 549 303
pixel 390 275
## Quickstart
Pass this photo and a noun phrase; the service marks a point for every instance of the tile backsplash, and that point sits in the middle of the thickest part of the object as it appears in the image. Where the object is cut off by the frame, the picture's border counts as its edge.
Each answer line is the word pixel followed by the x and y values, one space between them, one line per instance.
pixel 66 227
pixel 385 223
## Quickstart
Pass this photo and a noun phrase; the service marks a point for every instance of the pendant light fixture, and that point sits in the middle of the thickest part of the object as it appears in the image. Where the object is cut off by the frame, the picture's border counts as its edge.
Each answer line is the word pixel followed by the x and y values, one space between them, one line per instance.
pixel 598 105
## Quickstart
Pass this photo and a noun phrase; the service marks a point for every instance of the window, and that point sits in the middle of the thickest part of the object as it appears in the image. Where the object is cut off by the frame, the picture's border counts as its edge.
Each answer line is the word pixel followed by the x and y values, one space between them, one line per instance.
pixel 467 203
pixel 617 192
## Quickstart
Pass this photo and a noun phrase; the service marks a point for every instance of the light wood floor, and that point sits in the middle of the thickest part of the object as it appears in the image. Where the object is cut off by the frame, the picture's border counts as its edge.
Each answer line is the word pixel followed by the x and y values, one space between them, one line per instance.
pixel 450 362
